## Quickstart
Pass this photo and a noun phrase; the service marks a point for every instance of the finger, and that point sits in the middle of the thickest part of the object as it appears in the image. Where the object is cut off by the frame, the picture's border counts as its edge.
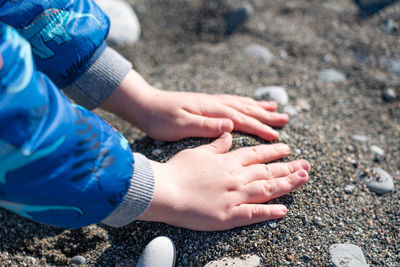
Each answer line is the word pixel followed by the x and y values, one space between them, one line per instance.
pixel 242 122
pixel 220 145
pixel 255 111
pixel 274 170
pixel 260 154
pixel 246 214
pixel 268 105
pixel 264 190
pixel 201 126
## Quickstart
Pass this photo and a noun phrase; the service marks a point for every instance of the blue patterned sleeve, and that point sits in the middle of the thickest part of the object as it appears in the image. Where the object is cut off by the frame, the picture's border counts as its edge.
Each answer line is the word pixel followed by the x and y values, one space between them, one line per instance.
pixel 60 164
pixel 66 36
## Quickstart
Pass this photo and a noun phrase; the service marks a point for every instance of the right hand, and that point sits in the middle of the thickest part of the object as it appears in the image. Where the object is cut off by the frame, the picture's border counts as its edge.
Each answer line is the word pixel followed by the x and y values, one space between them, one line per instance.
pixel 208 188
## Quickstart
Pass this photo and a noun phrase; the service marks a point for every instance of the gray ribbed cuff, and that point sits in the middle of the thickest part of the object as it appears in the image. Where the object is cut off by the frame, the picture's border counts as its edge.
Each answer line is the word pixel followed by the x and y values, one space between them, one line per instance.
pixel 139 196
pixel 99 80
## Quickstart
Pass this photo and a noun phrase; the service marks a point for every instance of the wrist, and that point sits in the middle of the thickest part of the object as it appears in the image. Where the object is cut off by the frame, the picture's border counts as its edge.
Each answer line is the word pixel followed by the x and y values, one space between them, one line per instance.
pixel 131 98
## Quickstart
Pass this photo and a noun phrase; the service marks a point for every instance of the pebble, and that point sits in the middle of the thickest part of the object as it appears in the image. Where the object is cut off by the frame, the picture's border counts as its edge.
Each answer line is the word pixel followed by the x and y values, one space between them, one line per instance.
pixel 347 255
pixel 360 137
pixel 78 260
pixel 389 26
pixel 246 261
pixel 156 152
pixel 31 261
pixel 377 150
pixel 389 95
pixel 272 224
pixel 260 52
pixel 275 93
pixel 125 26
pixel 318 221
pixel 306 257
pixel 303 104
pixel 158 252
pixel 238 17
pixel 349 189
pixel 290 110
pixel 304 219
pixel 332 75
pixel 395 66
pixel 383 184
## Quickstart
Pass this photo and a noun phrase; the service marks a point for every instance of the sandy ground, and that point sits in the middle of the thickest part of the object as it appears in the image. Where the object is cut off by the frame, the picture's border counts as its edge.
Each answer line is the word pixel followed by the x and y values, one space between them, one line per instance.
pixel 306 37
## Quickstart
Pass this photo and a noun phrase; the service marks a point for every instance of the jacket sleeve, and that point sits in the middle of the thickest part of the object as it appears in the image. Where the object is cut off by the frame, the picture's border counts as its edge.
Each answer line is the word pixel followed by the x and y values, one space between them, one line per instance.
pixel 60 164
pixel 67 40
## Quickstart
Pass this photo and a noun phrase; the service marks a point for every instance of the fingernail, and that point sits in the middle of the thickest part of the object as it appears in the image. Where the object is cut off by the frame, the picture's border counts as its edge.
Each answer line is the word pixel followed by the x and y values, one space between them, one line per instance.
pixel 285 148
pixel 301 173
pixel 226 126
pixel 284 210
pixel 305 165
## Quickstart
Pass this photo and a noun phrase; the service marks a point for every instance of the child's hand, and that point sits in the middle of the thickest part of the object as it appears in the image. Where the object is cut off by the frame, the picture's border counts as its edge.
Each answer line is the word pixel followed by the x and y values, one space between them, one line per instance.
pixel 171 116
pixel 208 189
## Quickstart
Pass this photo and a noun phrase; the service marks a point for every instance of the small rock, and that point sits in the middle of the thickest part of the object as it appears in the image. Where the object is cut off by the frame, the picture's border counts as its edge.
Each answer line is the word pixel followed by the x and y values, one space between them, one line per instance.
pixel 283 54
pixel 349 189
pixel 125 26
pixel 360 137
pixel 389 26
pixel 247 261
pixel 78 260
pixel 238 17
pixel 31 261
pixel 303 104
pixel 275 93
pixel 260 52
pixel 332 75
pixel 395 66
pixel 156 152
pixel 304 219
pixel 347 255
pixel 306 257
pixel 383 184
pixel 272 224
pixel 318 221
pixel 389 95
pixel 377 150
pixel 290 110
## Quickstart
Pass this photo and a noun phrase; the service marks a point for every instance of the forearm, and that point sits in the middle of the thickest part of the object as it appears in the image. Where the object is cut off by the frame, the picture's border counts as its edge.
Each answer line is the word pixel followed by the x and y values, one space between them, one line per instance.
pixel 60 164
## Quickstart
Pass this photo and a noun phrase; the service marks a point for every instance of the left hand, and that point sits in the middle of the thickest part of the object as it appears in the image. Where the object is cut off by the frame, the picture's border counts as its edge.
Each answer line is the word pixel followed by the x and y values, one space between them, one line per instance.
pixel 171 116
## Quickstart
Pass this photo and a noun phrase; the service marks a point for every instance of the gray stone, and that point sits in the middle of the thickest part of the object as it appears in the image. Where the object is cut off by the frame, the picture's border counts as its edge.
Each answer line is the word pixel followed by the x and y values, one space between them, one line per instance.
pixel 78 260
pixel 156 152
pixel 247 261
pixel 395 66
pixel 30 261
pixel 347 255
pixel 332 75
pixel 275 93
pixel 389 95
pixel 158 253
pixel 349 189
pixel 360 137
pixel 290 110
pixel 272 224
pixel 377 150
pixel 384 183
pixel 125 26
pixel 303 104
pixel 389 26
pixel 260 52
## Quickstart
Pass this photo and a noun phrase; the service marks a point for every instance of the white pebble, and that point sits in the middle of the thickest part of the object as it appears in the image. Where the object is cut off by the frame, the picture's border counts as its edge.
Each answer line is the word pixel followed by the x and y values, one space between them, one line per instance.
pixel 260 52
pixel 125 26
pixel 275 93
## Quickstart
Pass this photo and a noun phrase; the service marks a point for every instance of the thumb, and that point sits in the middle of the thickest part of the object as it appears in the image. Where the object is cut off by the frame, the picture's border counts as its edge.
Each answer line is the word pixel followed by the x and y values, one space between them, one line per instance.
pixel 201 126
pixel 220 145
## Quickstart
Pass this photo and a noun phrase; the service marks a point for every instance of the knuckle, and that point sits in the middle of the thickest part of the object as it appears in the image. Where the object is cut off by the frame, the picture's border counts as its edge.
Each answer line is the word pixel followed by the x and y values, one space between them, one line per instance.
pixel 268 188
pixel 257 211
pixel 269 171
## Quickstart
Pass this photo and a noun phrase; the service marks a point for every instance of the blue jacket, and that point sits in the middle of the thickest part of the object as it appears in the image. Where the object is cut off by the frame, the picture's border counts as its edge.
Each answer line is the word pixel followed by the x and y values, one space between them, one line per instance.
pixel 60 164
